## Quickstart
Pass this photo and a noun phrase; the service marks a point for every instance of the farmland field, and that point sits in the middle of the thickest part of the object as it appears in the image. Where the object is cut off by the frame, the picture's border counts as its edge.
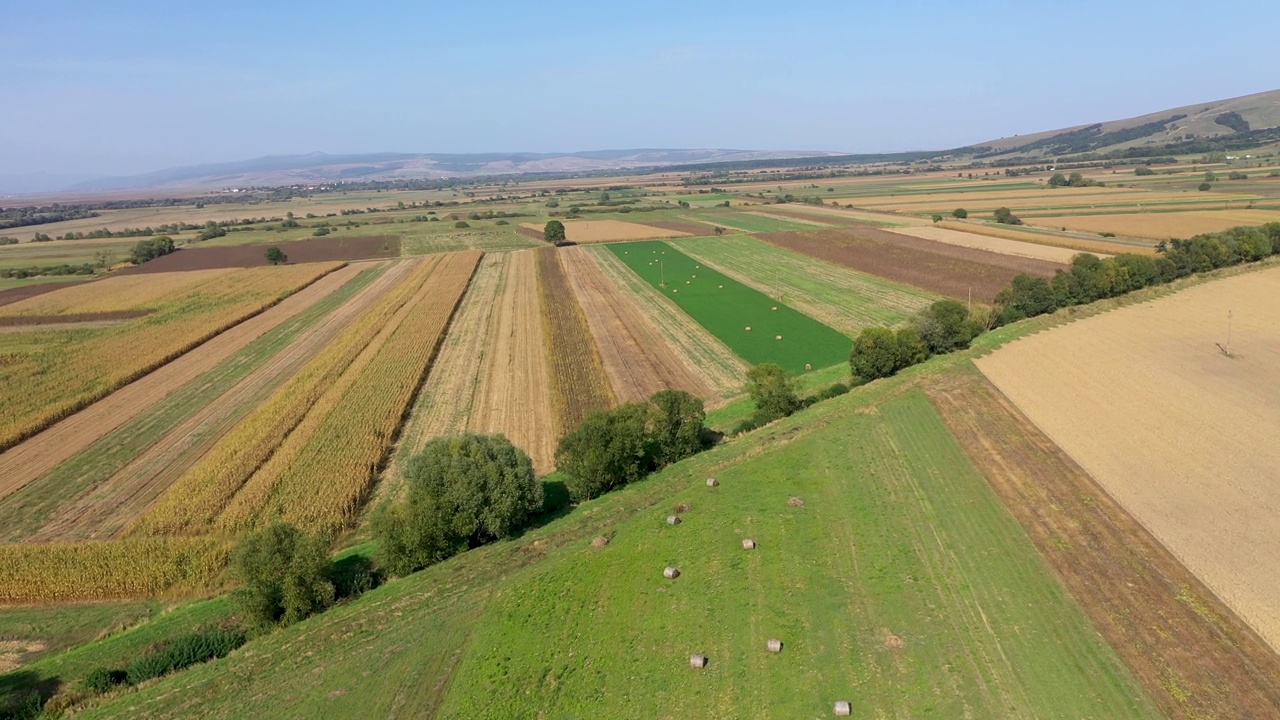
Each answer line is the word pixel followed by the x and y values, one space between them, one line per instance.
pixel 938 267
pixel 1075 242
pixel 993 244
pixel 755 326
pixel 752 222
pixel 636 359
pixel 841 298
pixel 49 374
pixel 1190 424
pixel 578 378
pixel 1161 225
pixel 590 231
pixel 863 582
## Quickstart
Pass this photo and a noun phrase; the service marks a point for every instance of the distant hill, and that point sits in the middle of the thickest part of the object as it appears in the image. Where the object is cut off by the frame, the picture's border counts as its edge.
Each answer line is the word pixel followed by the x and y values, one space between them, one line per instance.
pixel 1246 118
pixel 320 167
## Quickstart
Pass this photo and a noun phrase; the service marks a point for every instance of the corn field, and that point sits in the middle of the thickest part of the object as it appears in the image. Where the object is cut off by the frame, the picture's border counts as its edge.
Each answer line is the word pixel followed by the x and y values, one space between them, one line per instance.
pixel 101 570
pixel 196 500
pixel 48 375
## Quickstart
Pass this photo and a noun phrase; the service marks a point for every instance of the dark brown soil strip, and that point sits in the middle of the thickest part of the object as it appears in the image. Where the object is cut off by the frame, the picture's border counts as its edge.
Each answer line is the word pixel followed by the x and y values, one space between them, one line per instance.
pixel 327 249
pixel 1193 655
pixel 14 294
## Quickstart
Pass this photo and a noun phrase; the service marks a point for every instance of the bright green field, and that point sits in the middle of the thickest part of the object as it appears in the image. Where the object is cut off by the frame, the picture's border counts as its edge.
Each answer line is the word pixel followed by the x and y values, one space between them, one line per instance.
pixel 845 299
pixel 726 307
pixel 901 584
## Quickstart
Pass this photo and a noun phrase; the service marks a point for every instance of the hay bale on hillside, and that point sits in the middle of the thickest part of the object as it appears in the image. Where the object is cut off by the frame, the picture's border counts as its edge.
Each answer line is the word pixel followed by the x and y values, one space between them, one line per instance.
pixel 748 544
pixel 712 482
pixel 807 366
pixel 683 507
pixel 774 645
pixel 671 573
pixel 697 662
pixel 794 501
pixel 842 708
pixel 599 541
pixel 673 519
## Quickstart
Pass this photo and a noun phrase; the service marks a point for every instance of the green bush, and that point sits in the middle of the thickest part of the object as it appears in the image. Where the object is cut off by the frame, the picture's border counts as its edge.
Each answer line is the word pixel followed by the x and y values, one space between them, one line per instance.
pixel 960 213
pixel 322 231
pixel 554 232
pixel 1204 186
pixel 463 491
pixel 462 224
pixel 772 390
pixel 183 652
pixel 1144 171
pixel 946 326
pixel 284 575
pixel 100 680
pixel 1005 217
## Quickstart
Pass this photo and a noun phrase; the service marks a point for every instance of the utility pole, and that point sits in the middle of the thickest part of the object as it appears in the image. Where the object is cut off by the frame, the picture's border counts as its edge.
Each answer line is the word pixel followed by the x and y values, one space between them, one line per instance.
pixel 662 274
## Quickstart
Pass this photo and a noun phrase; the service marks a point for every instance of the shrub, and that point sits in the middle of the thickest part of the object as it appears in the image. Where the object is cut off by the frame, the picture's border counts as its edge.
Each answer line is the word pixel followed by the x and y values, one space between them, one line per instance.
pixel 145 250
pixel 462 224
pixel 1237 175
pixel 1006 217
pixel 874 354
pixel 676 426
pixel 1107 234
pixel 1204 186
pixel 284 575
pixel 1144 171
pixel 183 652
pixel 276 256
pixel 463 491
pixel 960 213
pixel 610 448
pixel 946 326
pixel 322 231
pixel 502 222
pixel 100 680
pixel 772 390
pixel 937 217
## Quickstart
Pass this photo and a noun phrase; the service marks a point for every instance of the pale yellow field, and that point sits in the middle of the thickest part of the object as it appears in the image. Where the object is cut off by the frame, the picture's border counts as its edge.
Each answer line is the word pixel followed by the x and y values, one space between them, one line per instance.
pixel 1004 246
pixel 1161 226
pixel 1180 434
pixel 588 231
pixel 113 294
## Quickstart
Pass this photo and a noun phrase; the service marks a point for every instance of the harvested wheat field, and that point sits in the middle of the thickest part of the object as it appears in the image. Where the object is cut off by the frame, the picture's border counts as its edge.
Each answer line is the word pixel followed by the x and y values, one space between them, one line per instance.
pixel 636 359
pixel 61 438
pixel 993 244
pixel 577 372
pixel 939 267
pixel 1182 435
pixel 592 231
pixel 1161 226
pixel 719 366
pixel 1007 232
pixel 117 293
pixel 113 504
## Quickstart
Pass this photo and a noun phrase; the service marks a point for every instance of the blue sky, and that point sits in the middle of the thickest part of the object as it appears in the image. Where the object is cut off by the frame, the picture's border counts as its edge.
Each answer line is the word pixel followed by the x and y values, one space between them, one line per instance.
pixel 117 88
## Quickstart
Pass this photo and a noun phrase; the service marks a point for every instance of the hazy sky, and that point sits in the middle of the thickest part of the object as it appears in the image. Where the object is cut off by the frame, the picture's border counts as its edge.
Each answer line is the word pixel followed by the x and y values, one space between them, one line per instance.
pixel 125 87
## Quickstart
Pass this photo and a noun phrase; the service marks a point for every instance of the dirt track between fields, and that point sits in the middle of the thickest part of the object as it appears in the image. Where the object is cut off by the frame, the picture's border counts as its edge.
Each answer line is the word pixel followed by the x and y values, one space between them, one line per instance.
pixel 636 359
pixel 1195 657
pixel 42 452
pixel 109 507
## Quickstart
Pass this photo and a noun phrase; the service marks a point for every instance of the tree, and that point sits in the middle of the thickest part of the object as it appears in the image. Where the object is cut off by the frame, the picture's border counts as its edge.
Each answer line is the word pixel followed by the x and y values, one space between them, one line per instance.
pixel 772 390
pixel 960 213
pixel 719 230
pixel 276 256
pixel 609 448
pixel 463 491
pixel 284 575
pixel 1026 297
pixel 145 250
pixel 1143 171
pixel 1204 186
pixel 912 349
pixel 1076 180
pixel 937 217
pixel 1210 176
pixel 462 224
pixel 1005 216
pixel 322 231
pixel 675 426
pixel 554 233
pixel 874 355
pixel 1058 180
pixel 945 326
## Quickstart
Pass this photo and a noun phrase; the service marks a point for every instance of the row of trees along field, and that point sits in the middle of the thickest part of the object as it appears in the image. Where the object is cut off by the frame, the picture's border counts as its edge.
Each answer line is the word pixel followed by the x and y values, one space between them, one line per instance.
pixel 947 325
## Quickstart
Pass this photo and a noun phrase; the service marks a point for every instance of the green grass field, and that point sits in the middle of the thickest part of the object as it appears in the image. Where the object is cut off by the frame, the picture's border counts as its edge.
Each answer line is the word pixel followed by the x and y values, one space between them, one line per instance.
pixel 842 298
pixel 749 222
pixel 901 584
pixel 727 308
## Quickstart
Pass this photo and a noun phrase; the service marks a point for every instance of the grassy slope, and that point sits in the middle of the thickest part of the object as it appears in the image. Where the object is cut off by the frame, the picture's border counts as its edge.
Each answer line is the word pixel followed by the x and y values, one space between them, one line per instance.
pixel 851 299
pixel 546 621
pixel 27 510
pixel 726 308
pixel 60 627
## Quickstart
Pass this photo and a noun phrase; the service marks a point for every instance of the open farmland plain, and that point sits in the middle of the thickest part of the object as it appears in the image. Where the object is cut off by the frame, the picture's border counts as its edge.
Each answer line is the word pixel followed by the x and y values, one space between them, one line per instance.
pixel 934 266
pixel 1161 225
pixel 755 326
pixel 1186 446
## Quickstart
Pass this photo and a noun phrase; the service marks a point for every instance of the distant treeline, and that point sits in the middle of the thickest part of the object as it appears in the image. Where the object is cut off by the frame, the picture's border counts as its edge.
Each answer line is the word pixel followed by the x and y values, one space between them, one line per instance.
pixel 32 215
pixel 947 325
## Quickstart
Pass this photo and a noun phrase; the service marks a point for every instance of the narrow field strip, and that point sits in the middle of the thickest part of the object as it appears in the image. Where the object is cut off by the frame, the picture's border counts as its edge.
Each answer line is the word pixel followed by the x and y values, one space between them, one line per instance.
pixel 719 366
pixel 39 454
pixel 194 502
pixel 322 473
pixel 759 328
pixel 636 359
pixel 844 299
pixel 578 376
pixel 116 293
pixel 27 512
pixel 1007 246
pixel 113 504
pixel 1193 655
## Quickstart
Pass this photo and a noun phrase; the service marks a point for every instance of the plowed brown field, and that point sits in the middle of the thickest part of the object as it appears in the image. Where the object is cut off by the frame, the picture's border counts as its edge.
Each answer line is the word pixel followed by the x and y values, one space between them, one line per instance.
pixel 109 507
pixel 946 269
pixel 1181 435
pixel 42 452
pixel 1194 656
pixel 636 359
pixel 577 372
pixel 328 249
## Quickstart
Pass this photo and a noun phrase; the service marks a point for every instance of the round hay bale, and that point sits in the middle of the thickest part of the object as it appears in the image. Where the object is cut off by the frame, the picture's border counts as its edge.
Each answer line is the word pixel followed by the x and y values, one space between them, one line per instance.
pixel 807 366
pixel 697 662
pixel 748 328
pixel 676 290
pixel 775 307
pixel 671 573
pixel 683 507
pixel 777 337
pixel 721 287
pixel 712 482
pixel 842 708
pixel 775 645
pixel 673 519
pixel 748 544
pixel 599 541
pixel 794 501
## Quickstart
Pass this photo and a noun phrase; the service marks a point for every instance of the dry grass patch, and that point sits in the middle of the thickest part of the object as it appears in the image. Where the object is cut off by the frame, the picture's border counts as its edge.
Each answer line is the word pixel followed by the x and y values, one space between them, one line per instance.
pixel 1161 226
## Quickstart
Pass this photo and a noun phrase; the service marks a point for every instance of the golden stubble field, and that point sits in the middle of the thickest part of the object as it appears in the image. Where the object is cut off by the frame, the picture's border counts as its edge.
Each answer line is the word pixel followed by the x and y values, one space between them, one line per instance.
pixel 1180 434
pixel 1160 226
